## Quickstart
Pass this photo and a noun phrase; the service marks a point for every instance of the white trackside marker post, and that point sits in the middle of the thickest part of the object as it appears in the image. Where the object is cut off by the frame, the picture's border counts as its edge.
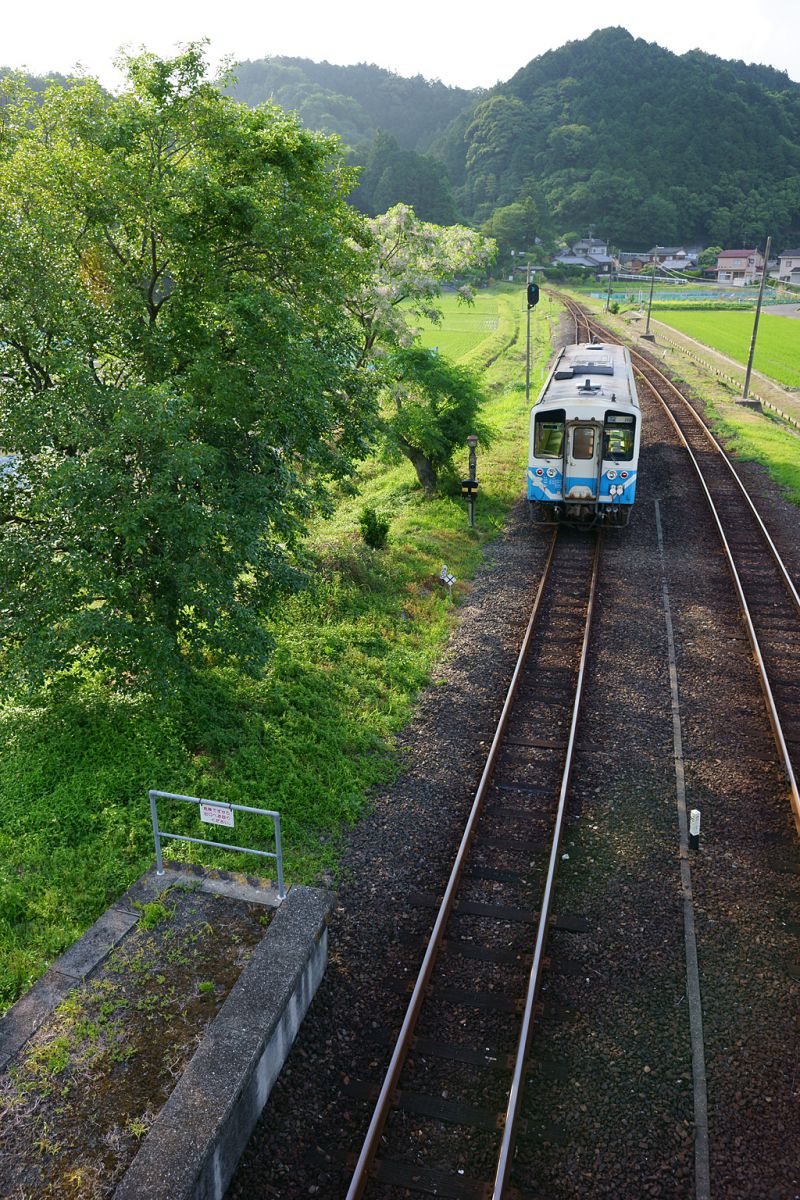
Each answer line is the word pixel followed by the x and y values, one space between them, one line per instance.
pixel 694 829
pixel 448 580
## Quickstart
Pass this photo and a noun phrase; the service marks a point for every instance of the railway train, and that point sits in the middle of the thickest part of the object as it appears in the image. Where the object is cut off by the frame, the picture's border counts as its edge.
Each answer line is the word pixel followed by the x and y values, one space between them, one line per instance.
pixel 585 429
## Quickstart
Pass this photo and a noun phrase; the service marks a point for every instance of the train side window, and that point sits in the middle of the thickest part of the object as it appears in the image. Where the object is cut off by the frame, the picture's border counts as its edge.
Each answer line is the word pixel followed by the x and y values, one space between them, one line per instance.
pixel 618 440
pixel 583 442
pixel 548 439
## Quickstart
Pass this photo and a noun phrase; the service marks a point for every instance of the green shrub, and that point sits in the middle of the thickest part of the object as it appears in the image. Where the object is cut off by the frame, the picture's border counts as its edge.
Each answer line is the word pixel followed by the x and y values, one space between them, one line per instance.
pixel 374 529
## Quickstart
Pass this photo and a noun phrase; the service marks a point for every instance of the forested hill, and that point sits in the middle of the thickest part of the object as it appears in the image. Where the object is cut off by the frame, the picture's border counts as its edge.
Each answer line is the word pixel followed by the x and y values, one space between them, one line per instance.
pixel 355 101
pixel 644 144
pixel 611 131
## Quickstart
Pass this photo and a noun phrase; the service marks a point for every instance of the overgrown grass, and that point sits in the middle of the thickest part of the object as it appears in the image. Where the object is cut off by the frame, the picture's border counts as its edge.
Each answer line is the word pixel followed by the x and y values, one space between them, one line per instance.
pixel 766 440
pixel 777 346
pixel 309 739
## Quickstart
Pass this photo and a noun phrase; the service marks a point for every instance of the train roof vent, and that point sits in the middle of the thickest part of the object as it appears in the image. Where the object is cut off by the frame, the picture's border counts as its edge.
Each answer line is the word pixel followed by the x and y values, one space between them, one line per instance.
pixel 563 373
pixel 597 364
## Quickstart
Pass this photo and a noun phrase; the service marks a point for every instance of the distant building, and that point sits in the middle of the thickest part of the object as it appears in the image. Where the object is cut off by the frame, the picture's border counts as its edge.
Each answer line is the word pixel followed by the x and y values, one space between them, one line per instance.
pixel 739 267
pixel 789 266
pixel 591 247
pixel 589 253
pixel 632 261
pixel 673 258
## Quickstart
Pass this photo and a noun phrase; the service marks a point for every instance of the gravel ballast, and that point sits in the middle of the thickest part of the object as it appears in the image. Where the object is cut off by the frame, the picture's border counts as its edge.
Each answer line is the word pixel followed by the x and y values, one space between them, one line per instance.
pixel 609 1109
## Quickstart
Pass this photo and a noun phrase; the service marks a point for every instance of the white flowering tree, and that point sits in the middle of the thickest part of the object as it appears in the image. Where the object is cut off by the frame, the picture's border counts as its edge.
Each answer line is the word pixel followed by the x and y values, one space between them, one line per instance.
pixel 430 404
pixel 409 261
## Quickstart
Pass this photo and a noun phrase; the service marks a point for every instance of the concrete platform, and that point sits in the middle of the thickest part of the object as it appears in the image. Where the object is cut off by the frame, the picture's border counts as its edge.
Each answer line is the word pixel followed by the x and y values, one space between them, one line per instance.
pixel 193 1146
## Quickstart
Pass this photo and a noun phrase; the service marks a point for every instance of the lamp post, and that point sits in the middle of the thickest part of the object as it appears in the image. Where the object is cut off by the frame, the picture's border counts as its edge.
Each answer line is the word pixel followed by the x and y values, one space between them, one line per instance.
pixel 744 399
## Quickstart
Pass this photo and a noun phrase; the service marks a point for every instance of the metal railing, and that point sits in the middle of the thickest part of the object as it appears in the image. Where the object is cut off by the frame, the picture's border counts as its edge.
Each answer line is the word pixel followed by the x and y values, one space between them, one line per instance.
pixel 158 833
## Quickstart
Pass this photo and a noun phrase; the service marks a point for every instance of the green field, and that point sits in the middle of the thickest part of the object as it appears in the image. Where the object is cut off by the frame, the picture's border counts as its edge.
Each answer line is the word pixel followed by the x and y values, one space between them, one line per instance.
pixel 309 738
pixel 777 347
pixel 464 327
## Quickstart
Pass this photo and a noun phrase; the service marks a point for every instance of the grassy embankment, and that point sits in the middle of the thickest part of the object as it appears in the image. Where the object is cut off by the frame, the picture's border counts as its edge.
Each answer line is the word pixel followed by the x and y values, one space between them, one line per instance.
pixel 310 738
pixel 753 436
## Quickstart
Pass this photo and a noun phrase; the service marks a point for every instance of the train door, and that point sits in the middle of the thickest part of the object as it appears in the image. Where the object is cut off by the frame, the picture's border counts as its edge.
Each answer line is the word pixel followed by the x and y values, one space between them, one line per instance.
pixel 582 460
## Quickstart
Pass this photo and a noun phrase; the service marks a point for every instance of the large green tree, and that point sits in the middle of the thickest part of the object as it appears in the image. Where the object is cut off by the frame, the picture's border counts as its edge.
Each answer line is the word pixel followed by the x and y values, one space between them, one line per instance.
pixel 178 369
pixel 431 406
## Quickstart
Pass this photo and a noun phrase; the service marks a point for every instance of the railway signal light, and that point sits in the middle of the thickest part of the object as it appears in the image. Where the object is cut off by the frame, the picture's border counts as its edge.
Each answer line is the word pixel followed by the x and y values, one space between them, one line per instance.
pixel 533 295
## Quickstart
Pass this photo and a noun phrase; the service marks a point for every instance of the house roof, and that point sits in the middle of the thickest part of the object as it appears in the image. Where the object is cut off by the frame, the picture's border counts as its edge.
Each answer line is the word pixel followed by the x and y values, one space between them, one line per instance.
pixel 583 260
pixel 736 253
pixel 789 254
pixel 575 260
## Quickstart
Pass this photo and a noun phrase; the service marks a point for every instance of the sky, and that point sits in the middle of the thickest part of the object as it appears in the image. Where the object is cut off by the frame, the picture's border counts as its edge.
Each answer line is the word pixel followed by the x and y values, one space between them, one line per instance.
pixel 461 42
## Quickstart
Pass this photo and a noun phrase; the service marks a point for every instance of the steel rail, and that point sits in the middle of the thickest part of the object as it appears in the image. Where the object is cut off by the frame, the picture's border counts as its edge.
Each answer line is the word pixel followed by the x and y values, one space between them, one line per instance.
pixel 784 573
pixel 785 576
pixel 383 1104
pixel 515 1096
pixel 772 711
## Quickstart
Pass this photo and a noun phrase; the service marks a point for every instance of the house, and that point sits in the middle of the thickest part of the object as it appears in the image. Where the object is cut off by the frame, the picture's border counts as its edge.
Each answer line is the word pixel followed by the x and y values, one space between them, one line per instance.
pixel 601 264
pixel 632 261
pixel 789 266
pixel 673 258
pixel 590 253
pixel 662 254
pixel 591 247
pixel 739 267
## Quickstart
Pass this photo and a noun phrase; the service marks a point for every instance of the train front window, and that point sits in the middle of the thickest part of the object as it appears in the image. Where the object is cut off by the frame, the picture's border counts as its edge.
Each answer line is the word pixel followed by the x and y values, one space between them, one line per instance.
pixel 618 436
pixel 583 442
pixel 548 439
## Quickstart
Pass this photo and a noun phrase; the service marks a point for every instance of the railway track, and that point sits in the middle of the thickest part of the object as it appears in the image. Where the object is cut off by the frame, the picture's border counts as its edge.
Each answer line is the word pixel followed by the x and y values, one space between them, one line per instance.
pixel 768 598
pixel 445 1118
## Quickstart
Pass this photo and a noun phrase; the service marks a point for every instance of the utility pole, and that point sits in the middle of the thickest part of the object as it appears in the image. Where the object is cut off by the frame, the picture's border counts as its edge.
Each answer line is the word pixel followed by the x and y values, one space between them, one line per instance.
pixel 651 337
pixel 744 399
pixel 528 341
pixel 608 293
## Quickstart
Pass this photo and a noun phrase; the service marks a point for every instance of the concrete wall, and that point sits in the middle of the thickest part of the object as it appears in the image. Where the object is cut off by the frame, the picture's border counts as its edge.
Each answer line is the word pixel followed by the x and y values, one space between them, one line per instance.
pixel 195 1143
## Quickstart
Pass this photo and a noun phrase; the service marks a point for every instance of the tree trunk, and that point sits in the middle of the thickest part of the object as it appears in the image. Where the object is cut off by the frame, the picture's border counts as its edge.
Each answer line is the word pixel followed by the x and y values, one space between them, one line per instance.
pixel 426 472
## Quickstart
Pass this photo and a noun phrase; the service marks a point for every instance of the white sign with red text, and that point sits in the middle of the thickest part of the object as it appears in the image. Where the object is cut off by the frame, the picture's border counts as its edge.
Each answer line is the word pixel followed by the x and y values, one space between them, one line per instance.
pixel 216 816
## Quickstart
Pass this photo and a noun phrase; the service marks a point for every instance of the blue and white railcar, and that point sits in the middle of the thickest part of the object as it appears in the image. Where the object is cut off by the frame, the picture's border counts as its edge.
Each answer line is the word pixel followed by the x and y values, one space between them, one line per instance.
pixel 585 428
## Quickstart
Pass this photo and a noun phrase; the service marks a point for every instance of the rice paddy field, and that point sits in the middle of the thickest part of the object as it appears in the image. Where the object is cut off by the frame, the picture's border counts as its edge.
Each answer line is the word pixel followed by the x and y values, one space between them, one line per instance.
pixel 777 347
pixel 463 327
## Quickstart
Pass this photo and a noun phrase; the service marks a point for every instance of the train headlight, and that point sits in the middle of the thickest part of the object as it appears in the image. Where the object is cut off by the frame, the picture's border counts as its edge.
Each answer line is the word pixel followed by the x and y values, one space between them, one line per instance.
pixel 611 474
pixel 551 472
